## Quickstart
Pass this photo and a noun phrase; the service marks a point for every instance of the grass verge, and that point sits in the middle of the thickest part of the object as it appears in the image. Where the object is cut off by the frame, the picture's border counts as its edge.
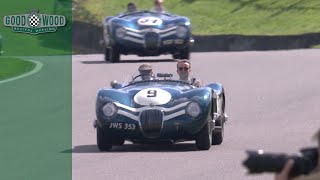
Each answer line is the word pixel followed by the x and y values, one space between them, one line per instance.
pixel 246 17
pixel 11 67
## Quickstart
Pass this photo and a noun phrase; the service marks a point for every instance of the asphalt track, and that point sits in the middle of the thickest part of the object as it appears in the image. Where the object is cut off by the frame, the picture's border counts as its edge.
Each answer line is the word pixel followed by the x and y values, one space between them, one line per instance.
pixel 272 102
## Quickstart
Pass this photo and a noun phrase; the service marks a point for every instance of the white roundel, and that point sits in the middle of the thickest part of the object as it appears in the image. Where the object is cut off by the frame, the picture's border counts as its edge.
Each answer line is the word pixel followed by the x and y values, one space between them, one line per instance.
pixel 149 21
pixel 152 96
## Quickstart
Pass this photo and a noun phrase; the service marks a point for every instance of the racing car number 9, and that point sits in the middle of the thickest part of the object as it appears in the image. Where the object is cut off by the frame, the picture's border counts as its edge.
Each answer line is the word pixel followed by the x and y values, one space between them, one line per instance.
pixel 154 96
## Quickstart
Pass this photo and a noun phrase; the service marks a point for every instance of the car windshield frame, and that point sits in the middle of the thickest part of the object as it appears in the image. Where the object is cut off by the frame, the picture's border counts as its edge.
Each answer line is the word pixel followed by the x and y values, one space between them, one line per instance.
pixel 145 11
pixel 158 81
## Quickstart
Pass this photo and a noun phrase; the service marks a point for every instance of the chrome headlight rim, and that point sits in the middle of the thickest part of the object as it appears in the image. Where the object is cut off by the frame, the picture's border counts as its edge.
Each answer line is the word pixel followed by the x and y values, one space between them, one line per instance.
pixel 193 109
pixel 109 109
pixel 120 32
pixel 181 31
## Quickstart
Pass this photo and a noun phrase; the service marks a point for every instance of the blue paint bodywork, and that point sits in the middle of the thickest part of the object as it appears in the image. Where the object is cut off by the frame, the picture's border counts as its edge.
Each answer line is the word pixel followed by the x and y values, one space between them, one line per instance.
pixel 140 33
pixel 180 127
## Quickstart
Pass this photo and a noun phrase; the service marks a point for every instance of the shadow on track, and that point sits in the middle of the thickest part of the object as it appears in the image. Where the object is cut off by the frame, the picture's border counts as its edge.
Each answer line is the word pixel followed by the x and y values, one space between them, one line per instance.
pixel 180 147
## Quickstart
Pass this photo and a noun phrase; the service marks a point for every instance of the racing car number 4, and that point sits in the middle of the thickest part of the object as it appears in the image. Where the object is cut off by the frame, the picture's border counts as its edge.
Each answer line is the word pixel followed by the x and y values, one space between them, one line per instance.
pixel 149 21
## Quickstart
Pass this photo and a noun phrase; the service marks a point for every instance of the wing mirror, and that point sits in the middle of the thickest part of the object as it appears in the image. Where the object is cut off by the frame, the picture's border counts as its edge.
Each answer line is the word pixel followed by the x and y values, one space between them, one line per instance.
pixel 115 85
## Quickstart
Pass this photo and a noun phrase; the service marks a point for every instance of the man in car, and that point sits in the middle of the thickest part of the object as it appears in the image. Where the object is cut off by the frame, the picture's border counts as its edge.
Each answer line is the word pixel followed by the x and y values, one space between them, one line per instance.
pixel 131 7
pixel 158 6
pixel 184 71
pixel 146 72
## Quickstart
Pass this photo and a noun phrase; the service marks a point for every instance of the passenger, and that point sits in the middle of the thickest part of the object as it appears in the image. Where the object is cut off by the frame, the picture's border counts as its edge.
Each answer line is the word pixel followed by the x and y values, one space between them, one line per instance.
pixel 158 6
pixel 184 71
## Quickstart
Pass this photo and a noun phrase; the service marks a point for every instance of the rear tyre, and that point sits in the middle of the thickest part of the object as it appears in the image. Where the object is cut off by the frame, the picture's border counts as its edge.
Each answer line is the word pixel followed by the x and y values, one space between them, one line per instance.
pixel 204 141
pixel 103 141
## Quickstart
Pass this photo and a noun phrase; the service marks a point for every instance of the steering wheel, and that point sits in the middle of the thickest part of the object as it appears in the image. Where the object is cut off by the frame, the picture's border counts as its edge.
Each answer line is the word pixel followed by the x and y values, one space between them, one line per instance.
pixel 140 75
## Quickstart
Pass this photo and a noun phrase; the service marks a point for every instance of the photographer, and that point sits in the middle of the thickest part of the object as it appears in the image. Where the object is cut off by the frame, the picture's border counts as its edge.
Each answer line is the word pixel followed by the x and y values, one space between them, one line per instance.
pixel 314 175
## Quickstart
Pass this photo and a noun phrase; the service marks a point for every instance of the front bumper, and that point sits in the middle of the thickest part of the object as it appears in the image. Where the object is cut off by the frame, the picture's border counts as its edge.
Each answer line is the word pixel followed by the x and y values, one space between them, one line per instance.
pixel 151 125
pixel 152 41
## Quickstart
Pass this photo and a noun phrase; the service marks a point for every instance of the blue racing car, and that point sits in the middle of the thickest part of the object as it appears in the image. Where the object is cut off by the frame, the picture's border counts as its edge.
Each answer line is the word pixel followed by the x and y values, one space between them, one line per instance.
pixel 160 109
pixel 147 33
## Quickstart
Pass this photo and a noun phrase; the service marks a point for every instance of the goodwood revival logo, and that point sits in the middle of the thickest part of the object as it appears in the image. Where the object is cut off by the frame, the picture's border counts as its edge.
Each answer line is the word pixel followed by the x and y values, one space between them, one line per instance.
pixel 34 23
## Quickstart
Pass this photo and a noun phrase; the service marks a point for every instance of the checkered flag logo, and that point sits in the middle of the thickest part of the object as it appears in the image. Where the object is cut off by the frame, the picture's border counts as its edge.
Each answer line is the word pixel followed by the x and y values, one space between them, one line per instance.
pixel 34 19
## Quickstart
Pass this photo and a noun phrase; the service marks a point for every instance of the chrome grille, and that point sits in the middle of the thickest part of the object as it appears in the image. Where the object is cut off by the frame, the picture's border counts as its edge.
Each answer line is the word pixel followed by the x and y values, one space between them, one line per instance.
pixel 151 40
pixel 151 122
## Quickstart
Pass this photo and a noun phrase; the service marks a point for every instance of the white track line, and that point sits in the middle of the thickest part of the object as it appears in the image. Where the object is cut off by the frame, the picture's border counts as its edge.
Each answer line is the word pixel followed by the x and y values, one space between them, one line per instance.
pixel 35 70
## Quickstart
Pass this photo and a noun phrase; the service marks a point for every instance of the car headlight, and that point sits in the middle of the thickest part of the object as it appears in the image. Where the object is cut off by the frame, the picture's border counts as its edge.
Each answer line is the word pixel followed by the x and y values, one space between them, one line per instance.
pixel 193 109
pixel 181 31
pixel 121 33
pixel 109 109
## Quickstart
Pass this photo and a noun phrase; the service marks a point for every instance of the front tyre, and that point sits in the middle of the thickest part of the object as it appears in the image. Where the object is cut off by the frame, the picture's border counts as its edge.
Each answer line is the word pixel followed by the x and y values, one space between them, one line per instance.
pixel 107 54
pixel 185 53
pixel 204 141
pixel 114 54
pixel 103 141
pixel 217 136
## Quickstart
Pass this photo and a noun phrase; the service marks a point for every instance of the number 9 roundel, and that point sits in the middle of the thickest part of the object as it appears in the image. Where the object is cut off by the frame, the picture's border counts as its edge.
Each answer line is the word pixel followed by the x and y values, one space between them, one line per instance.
pixel 154 96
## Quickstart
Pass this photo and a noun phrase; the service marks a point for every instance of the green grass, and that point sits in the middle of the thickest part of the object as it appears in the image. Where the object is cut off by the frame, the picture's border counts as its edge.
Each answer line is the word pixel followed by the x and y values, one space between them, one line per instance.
pixel 248 17
pixel 10 67
pixel 316 46
pixel 21 44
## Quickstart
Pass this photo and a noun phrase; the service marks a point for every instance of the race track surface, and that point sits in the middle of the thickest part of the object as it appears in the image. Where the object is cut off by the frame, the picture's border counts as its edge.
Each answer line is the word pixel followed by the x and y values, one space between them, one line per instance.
pixel 272 102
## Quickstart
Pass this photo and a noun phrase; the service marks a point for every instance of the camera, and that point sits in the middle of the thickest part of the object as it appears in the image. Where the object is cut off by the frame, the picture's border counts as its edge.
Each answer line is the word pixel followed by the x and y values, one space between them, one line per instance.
pixel 304 163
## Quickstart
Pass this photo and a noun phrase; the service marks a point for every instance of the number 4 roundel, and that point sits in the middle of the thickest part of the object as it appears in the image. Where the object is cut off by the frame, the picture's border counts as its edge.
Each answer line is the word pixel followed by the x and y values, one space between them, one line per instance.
pixel 149 21
pixel 154 96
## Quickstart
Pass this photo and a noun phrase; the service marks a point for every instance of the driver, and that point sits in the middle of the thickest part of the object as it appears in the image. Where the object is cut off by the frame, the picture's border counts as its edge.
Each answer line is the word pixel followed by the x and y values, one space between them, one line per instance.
pixel 184 71
pixel 146 72
pixel 131 7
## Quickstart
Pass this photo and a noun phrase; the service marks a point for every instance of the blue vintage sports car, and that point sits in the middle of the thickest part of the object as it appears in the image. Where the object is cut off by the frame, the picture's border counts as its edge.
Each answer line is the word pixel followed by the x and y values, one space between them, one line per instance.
pixel 147 33
pixel 160 109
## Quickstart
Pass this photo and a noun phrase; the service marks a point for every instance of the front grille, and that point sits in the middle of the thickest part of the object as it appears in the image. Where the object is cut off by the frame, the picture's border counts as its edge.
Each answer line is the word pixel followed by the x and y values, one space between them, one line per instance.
pixel 151 122
pixel 151 40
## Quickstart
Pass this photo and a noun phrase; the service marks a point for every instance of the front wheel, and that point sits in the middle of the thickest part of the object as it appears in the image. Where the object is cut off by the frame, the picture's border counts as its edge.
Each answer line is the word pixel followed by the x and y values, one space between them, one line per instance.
pixel 103 141
pixel 204 139
pixel 114 54
pixel 217 136
pixel 185 53
pixel 107 54
pixel 182 54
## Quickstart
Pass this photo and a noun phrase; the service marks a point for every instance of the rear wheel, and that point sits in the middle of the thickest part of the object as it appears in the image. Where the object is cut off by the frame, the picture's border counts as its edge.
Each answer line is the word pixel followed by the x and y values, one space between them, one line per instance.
pixel 204 139
pixel 103 140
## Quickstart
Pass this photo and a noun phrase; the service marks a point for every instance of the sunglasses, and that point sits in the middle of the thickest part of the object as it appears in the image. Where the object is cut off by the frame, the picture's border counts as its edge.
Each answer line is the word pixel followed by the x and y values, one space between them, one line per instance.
pixel 183 68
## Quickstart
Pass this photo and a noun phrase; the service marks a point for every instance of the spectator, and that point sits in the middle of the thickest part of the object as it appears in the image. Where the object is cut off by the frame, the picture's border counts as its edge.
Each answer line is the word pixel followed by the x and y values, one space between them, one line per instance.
pixel 314 175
